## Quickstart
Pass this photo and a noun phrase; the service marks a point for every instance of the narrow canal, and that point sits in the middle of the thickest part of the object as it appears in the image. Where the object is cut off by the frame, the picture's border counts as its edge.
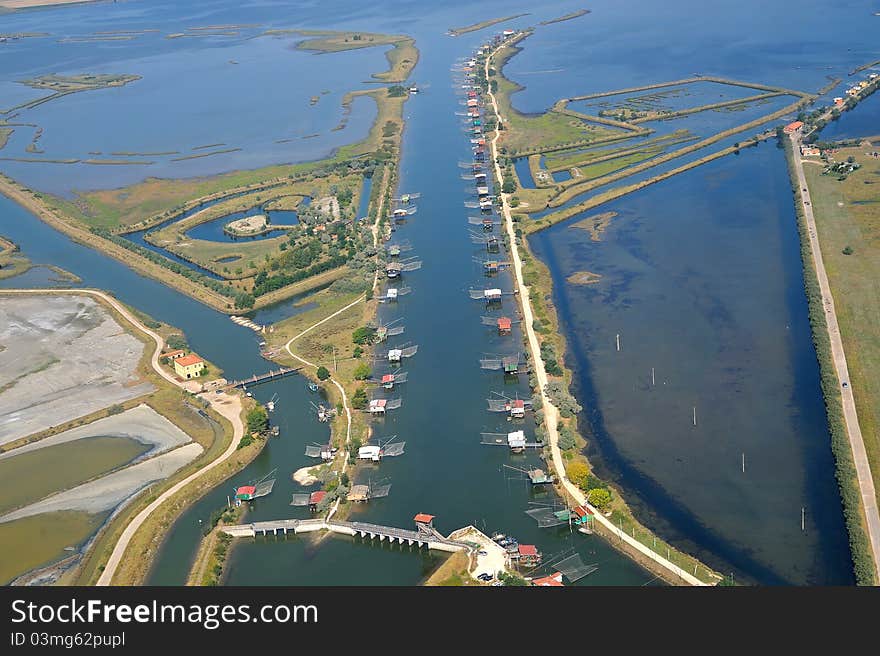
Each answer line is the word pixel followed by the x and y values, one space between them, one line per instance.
pixel 700 277
pixel 445 470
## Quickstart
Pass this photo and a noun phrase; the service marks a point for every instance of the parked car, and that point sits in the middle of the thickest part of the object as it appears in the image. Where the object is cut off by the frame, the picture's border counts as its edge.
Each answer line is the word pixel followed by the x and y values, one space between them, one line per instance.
pixel 482 552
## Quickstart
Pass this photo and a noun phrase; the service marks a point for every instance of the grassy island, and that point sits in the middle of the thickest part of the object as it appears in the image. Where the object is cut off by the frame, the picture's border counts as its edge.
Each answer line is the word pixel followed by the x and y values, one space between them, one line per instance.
pixel 322 245
pixel 457 31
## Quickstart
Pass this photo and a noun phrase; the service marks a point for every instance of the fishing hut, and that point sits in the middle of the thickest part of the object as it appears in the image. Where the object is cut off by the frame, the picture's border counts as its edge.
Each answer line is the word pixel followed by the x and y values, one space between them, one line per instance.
pixel 388 381
pixel 363 493
pixel 488 223
pixel 510 364
pixel 384 331
pixel 515 408
pixel 490 241
pixel 396 355
pixel 490 296
pixel 323 413
pixel 255 489
pixel 378 407
pixel 375 452
pixel 526 555
pixel 515 441
pixel 323 451
pixel 394 268
pixel 503 324
pixel 393 293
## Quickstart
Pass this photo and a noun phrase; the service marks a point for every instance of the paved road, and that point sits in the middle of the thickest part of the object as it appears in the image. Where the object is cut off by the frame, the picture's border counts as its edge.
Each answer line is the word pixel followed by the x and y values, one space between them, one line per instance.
pixel 851 419
pixel 551 413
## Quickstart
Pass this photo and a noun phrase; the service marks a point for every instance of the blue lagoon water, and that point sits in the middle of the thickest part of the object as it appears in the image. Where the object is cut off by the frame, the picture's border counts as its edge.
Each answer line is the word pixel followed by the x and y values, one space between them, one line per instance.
pixel 701 273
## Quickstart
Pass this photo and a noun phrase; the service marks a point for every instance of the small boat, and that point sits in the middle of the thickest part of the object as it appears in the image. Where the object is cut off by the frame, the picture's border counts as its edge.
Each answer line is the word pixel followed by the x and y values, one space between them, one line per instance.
pixel 276 431
pixel 313 387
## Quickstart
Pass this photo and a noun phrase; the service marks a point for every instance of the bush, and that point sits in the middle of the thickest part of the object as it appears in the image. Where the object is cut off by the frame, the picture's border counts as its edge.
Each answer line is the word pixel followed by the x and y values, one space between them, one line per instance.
pixel 362 371
pixel 567 439
pixel 257 419
pixel 847 251
pixel 559 396
pixel 323 373
pixel 247 440
pixel 114 409
pixel 363 335
pixel 177 342
pixel 600 497
pixel 578 473
pixel 360 400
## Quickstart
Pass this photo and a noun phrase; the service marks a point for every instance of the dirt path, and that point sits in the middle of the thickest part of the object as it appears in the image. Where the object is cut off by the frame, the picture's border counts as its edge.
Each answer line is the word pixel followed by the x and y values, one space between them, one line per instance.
pixel 851 419
pixel 335 382
pixel 227 405
pixel 551 412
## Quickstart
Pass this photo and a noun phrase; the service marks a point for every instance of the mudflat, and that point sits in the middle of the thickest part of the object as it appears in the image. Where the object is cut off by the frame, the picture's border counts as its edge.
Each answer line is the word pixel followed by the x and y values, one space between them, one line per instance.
pixel 61 357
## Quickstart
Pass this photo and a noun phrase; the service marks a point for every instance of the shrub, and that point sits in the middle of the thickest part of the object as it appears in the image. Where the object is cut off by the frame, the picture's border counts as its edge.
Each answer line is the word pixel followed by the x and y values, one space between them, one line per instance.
pixel 567 439
pixel 359 400
pixel 257 419
pixel 578 472
pixel 599 497
pixel 362 371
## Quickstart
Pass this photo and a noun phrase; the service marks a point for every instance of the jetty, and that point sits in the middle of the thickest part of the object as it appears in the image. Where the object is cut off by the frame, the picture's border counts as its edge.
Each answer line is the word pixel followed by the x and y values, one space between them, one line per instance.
pixel 272 374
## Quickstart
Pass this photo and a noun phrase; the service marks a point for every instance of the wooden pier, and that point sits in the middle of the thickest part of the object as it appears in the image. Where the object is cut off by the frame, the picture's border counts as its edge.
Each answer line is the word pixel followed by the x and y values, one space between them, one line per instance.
pixel 256 379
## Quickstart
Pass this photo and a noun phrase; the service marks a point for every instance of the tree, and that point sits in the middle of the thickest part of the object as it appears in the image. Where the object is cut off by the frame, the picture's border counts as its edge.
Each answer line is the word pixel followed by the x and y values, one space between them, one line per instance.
pixel 847 251
pixel 567 439
pixel 578 473
pixel 244 300
pixel 363 335
pixel 257 419
pixel 599 497
pixel 359 400
pixel 509 578
pixel 362 371
pixel 323 373
pixel 177 342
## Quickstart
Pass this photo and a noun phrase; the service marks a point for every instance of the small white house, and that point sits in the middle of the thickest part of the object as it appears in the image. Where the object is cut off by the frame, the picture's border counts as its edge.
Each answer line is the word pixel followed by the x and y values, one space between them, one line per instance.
pixel 369 453
pixel 516 440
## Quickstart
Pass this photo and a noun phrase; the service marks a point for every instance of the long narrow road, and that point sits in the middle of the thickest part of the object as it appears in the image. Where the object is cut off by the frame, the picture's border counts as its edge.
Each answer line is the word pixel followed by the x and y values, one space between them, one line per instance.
pixel 551 413
pixel 850 416
pixel 227 405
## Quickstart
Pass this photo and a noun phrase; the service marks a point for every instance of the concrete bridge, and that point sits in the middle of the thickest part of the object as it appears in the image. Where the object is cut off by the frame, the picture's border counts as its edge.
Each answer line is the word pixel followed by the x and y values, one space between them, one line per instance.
pixel 427 538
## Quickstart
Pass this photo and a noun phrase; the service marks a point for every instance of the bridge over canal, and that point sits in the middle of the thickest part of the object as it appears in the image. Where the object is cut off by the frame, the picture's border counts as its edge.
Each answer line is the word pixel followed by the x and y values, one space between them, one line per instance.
pixel 426 537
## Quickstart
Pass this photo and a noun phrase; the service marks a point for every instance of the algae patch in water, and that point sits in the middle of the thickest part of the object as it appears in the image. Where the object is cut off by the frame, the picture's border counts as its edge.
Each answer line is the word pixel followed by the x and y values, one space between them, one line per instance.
pixel 584 278
pixel 595 224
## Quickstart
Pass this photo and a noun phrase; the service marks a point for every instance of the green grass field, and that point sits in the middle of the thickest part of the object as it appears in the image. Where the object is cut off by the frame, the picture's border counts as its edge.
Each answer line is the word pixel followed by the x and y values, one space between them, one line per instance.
pixel 848 214
pixel 41 539
pixel 37 474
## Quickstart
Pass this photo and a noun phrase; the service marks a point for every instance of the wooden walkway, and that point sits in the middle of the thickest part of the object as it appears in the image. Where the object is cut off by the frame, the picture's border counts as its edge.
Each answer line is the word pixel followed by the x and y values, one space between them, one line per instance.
pixel 261 378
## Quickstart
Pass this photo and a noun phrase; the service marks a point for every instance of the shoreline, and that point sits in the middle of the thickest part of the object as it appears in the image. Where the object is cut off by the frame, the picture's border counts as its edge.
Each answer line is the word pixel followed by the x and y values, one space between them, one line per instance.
pixel 122 517
pixel 627 544
pixel 853 473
